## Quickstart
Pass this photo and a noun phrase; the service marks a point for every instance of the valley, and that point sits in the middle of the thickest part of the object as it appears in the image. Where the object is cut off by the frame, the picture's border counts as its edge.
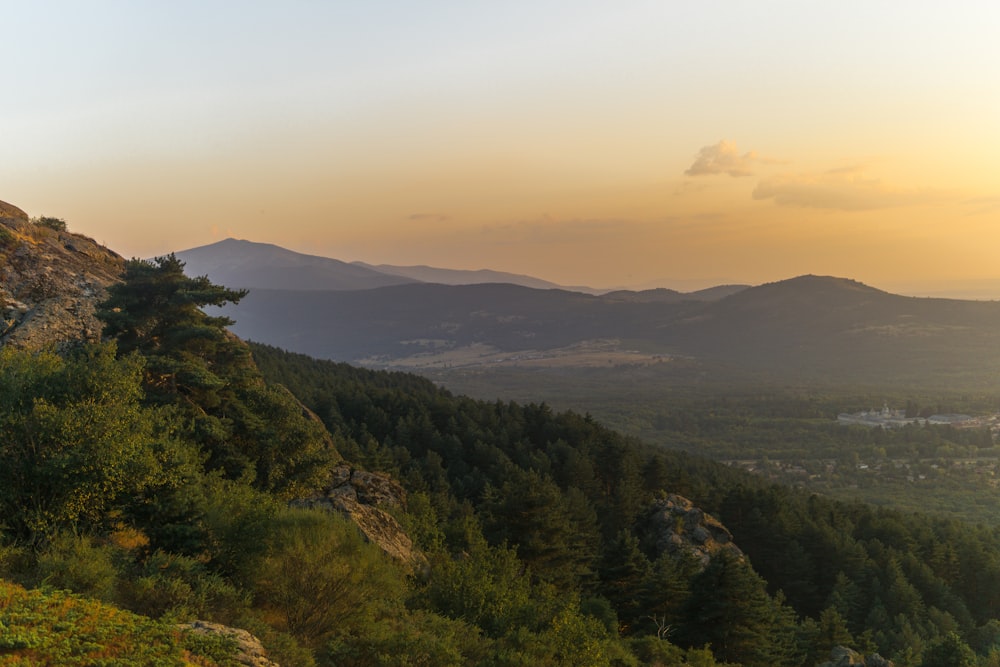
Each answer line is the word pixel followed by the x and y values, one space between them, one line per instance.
pixel 585 354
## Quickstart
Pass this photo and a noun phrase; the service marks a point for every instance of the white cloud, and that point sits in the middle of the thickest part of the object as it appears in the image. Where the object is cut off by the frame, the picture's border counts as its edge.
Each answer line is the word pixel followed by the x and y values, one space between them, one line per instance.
pixel 722 158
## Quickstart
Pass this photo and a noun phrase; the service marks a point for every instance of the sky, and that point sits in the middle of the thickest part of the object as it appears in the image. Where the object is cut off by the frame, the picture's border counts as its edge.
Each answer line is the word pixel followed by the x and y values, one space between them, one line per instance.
pixel 633 143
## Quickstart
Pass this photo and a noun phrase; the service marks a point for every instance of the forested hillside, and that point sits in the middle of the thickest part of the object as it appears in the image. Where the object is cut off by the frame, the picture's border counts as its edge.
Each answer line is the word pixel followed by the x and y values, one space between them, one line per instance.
pixel 164 471
pixel 838 573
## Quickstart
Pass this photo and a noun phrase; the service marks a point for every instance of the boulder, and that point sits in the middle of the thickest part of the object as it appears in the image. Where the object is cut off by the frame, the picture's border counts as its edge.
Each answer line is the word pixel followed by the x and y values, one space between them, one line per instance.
pixel 250 651
pixel 674 525
pixel 842 656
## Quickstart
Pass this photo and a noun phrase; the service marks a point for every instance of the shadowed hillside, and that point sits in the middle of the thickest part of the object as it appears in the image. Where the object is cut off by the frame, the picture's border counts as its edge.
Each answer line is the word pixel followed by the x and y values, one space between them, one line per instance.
pixel 810 326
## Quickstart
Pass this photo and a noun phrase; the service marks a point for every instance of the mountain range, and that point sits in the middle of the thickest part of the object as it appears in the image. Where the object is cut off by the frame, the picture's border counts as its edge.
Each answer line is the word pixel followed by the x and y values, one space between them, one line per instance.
pixel 246 264
pixel 406 317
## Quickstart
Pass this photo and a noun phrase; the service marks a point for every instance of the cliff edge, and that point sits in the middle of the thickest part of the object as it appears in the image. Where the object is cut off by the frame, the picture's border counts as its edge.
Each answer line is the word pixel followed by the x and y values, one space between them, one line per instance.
pixel 50 282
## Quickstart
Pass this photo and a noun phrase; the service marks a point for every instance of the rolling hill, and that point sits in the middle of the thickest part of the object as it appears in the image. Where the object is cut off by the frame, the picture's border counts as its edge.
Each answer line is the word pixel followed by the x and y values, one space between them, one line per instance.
pixel 806 326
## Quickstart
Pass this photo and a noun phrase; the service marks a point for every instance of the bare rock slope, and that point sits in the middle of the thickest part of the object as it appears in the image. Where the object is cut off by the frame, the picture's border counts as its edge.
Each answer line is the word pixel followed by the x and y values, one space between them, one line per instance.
pixel 360 496
pixel 50 282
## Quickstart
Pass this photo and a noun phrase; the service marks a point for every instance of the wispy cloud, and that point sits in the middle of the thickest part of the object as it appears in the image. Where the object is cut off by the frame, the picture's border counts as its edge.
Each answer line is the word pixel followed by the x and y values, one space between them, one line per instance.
pixel 428 217
pixel 723 158
pixel 843 189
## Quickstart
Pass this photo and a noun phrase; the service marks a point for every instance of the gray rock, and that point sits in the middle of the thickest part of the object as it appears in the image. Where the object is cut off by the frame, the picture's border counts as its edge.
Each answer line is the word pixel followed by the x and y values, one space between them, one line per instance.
pixel 842 656
pixel 48 292
pixel 673 525
pixel 360 495
pixel 250 651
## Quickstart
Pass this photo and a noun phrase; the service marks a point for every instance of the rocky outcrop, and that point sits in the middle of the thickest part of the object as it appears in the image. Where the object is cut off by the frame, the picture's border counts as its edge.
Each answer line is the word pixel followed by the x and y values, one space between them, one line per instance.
pixel 50 283
pixel 360 495
pixel 250 651
pixel 841 656
pixel 12 212
pixel 674 525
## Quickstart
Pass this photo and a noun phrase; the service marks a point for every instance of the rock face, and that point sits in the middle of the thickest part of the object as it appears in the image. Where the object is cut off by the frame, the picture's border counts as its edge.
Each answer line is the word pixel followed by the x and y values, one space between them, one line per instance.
pixel 674 525
pixel 13 212
pixel 251 651
pixel 50 283
pixel 359 495
pixel 841 656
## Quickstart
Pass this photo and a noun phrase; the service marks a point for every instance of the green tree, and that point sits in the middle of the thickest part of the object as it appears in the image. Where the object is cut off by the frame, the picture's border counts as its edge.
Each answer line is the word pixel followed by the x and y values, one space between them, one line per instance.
pixel 730 610
pixel 248 429
pixel 156 311
pixel 949 651
pixel 623 572
pixel 76 441
pixel 553 531
pixel 486 587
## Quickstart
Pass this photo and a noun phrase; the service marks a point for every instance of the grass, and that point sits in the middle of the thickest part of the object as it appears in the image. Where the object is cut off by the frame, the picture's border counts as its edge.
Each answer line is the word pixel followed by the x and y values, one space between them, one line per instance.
pixel 59 628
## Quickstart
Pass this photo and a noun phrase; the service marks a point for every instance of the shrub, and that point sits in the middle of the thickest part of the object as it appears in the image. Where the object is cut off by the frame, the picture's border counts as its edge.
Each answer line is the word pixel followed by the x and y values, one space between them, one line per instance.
pixel 181 588
pixel 321 576
pixel 58 224
pixel 77 564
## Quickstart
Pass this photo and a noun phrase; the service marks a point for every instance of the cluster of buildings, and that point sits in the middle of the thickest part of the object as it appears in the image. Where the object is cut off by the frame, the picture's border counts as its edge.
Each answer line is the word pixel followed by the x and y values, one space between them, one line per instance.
pixel 887 418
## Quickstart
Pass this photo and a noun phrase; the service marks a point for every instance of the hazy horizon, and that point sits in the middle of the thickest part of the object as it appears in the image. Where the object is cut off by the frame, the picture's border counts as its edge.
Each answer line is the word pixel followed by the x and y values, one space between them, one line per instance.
pixel 647 143
pixel 955 289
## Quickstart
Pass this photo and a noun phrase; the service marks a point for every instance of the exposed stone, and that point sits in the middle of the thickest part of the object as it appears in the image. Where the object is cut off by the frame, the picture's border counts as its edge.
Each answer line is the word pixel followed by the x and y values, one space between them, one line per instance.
pixel 11 211
pixel 842 656
pixel 50 283
pixel 359 495
pixel 250 651
pixel 674 525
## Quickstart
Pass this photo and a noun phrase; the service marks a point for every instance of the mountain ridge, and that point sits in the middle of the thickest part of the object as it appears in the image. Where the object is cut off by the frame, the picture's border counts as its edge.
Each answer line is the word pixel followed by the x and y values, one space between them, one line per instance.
pixel 241 264
pixel 808 324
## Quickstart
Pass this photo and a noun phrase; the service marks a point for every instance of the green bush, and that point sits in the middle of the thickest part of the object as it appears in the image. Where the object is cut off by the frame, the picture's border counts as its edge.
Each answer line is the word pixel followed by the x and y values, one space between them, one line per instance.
pixel 58 224
pixel 75 563
pixel 321 577
pixel 181 588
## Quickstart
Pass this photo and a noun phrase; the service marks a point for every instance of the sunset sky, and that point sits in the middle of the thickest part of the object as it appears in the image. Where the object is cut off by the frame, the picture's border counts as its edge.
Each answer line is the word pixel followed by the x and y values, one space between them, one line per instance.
pixel 597 143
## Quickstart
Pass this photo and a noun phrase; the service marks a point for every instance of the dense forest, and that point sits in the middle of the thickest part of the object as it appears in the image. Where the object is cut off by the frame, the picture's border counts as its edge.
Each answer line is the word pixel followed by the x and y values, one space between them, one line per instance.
pixel 156 472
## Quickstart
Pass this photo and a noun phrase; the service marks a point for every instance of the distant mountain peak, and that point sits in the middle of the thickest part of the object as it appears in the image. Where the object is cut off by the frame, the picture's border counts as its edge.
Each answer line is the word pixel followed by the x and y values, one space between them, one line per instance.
pixel 810 286
pixel 249 264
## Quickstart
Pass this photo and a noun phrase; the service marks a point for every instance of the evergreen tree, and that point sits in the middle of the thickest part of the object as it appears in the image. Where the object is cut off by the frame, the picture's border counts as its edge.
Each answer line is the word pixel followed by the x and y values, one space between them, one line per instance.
pixel 156 311
pixel 623 571
pixel 729 609
pixel 247 429
pixel 553 532
pixel 949 651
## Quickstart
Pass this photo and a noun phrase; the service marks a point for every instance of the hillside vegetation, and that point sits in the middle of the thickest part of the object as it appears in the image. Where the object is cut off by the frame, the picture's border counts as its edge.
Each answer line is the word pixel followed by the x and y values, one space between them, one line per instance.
pixel 63 630
pixel 162 470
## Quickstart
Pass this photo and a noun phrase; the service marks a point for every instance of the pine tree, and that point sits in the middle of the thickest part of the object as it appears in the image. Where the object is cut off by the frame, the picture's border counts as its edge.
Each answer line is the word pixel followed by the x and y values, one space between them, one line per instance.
pixel 247 429
pixel 729 609
pixel 157 312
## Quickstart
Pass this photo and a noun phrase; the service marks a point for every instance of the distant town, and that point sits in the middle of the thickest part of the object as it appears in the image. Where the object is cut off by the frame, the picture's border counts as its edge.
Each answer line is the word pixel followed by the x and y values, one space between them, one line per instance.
pixel 889 418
